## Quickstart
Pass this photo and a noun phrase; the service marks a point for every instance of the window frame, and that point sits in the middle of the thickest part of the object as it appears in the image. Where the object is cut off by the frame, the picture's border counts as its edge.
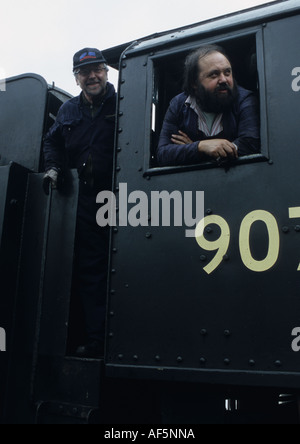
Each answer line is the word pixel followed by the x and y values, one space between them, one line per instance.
pixel 258 33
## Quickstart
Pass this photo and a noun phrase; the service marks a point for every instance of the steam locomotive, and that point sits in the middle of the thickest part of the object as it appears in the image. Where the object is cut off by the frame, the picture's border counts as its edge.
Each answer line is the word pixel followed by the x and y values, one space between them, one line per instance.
pixel 201 329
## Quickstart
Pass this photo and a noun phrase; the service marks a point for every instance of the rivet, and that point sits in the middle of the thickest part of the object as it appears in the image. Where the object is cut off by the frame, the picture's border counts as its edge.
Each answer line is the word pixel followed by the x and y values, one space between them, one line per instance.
pixel 124 65
pixel 148 235
pixel 203 258
pixel 209 212
pixel 157 358
pixel 111 335
pixel 120 130
pixel 271 162
pixel 285 229
pixel 115 250
pixel 227 333
pixel 179 359
pixel 119 149
pixel 113 271
pixel 297 228
pixel 118 168
pixel 227 361
pixel 112 313
pixel 121 113
pixel 278 363
pixel 203 332
pixel 208 230
pixel 112 291
pixel 135 358
pixel 226 258
pixel 202 361
pixel 251 362
pixel 120 357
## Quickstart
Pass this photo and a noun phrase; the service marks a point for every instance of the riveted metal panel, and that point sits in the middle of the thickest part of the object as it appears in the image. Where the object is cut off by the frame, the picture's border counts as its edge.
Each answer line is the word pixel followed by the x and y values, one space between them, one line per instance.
pixel 167 317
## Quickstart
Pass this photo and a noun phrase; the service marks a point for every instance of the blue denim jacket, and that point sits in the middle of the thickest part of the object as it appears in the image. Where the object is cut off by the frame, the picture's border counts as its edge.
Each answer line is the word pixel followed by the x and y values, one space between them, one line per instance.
pixel 241 126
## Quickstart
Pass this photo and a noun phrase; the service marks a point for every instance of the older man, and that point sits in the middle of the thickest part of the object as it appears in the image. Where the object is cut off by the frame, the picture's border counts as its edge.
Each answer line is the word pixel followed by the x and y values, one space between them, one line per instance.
pixel 214 118
pixel 83 138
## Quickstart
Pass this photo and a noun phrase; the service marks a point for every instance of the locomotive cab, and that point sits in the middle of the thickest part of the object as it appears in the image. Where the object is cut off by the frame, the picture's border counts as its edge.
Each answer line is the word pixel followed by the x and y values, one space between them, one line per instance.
pixel 201 327
pixel 243 50
pixel 218 308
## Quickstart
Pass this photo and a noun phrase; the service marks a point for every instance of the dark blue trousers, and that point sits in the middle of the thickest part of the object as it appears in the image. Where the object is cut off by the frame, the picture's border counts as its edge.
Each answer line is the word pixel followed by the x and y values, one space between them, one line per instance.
pixel 91 262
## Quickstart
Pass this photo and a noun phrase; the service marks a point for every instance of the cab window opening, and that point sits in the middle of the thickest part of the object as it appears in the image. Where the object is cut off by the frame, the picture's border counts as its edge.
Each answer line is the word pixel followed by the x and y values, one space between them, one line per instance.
pixel 168 73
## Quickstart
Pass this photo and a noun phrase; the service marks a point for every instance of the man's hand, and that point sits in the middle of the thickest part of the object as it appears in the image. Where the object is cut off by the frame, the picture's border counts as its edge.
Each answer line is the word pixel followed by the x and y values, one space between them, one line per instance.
pixel 181 138
pixel 50 178
pixel 218 148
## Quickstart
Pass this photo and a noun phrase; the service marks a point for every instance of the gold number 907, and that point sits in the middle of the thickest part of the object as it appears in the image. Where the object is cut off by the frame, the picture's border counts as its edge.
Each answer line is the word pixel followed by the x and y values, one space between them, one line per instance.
pixel 221 245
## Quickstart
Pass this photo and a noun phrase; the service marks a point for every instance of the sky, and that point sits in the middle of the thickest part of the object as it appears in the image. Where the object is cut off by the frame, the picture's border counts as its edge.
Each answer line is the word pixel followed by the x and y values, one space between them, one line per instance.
pixel 41 36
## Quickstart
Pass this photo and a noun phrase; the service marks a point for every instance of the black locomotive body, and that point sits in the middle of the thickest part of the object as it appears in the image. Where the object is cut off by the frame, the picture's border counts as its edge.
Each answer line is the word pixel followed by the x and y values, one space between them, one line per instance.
pixel 200 328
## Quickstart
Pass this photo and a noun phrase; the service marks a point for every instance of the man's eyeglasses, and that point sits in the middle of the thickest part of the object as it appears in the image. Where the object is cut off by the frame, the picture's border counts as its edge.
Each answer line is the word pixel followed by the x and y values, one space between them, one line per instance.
pixel 87 71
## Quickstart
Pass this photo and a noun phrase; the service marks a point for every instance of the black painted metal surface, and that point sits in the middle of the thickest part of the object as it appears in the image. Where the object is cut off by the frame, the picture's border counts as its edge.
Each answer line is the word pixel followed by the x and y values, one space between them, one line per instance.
pixel 24 103
pixel 28 107
pixel 13 184
pixel 43 296
pixel 168 318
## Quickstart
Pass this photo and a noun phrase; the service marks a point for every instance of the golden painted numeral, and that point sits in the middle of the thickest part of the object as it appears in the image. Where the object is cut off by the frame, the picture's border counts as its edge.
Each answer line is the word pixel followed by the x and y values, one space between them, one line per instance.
pixel 274 241
pixel 220 244
pixel 294 213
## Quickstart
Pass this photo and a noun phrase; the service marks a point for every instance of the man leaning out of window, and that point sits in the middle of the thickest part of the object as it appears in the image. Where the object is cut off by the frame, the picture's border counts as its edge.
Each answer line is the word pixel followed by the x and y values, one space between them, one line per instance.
pixel 214 118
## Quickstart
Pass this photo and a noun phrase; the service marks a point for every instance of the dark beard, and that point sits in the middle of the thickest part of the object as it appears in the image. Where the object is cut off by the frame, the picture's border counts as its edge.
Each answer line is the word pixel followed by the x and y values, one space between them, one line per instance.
pixel 214 102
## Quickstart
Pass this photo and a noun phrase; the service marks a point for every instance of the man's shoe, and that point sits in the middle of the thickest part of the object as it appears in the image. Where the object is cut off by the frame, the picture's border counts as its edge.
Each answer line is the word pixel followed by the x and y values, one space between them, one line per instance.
pixel 93 349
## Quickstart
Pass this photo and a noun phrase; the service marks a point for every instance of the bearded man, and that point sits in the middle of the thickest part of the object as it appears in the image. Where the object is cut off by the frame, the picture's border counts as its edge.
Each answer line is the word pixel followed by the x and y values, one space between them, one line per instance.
pixel 213 119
